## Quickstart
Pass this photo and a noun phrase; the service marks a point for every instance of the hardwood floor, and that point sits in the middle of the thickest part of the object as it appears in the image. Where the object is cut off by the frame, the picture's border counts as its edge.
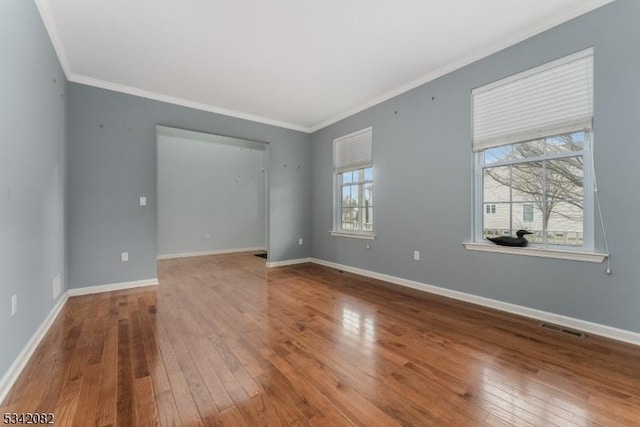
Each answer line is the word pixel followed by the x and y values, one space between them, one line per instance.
pixel 223 340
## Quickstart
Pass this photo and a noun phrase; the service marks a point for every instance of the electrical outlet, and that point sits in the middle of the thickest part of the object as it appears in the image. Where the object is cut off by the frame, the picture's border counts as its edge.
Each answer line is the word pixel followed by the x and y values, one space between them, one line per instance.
pixel 56 286
pixel 416 255
pixel 14 305
pixel 143 201
pixel 124 256
pixel 300 241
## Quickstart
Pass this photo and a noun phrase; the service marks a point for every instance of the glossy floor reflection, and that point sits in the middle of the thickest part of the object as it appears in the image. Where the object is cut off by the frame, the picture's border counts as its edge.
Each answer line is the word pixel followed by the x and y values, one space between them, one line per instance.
pixel 225 341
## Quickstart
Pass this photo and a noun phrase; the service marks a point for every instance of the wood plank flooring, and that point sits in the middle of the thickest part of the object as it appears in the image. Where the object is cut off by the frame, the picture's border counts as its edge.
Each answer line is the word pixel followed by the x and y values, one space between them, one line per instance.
pixel 224 341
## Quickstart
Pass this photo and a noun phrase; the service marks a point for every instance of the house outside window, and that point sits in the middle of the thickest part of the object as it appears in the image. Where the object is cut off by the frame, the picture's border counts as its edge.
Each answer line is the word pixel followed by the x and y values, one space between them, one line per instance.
pixel 533 154
pixel 353 183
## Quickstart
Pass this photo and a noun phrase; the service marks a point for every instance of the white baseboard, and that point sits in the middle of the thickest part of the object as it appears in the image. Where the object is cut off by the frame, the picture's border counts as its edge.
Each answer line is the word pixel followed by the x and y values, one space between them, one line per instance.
pixel 18 365
pixel 582 325
pixel 215 252
pixel 111 287
pixel 287 262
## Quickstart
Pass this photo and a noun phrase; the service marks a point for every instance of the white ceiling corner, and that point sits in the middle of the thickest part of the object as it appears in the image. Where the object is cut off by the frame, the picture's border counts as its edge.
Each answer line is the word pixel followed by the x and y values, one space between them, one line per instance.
pixel 286 63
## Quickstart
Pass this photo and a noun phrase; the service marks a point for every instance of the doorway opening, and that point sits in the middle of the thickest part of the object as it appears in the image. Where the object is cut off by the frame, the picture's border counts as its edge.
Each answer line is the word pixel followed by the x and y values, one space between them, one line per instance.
pixel 211 194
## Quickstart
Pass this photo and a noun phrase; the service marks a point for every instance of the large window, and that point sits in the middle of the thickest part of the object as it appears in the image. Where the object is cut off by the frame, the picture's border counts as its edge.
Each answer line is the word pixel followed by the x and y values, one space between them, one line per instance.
pixel 533 147
pixel 536 185
pixel 353 177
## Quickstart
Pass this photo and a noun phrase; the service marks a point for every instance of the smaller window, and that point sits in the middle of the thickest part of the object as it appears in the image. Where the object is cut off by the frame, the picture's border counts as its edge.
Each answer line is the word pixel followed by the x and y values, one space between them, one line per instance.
pixel 357 200
pixel 490 209
pixel 527 212
pixel 353 169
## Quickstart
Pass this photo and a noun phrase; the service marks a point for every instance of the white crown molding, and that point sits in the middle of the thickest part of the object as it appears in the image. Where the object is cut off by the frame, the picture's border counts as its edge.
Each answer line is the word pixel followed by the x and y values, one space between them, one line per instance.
pixel 45 13
pixel 586 7
pixel 47 20
pixel 111 287
pixel 582 325
pixel 215 252
pixel 287 262
pixel 103 84
pixel 10 377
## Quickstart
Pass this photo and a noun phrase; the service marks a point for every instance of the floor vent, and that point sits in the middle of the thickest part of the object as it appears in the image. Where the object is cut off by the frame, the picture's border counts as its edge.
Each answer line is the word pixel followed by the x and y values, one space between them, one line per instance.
pixel 564 330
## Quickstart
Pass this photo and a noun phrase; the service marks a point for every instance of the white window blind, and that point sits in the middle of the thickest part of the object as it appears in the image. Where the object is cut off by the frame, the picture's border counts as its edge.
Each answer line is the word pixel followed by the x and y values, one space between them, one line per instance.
pixel 552 99
pixel 353 151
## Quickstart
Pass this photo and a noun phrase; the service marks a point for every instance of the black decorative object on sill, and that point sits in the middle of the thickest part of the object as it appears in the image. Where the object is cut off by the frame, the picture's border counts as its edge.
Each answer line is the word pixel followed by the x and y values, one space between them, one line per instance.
pixel 519 241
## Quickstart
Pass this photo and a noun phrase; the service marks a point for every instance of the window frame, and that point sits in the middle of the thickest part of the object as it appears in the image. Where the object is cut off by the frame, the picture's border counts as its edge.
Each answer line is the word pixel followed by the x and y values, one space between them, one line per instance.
pixel 490 208
pixel 338 185
pixel 337 201
pixel 588 219
pixel 552 99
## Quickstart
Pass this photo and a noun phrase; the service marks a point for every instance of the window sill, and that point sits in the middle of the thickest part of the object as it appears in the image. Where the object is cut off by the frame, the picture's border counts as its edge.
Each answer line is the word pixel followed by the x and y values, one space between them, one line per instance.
pixel 367 236
pixel 539 252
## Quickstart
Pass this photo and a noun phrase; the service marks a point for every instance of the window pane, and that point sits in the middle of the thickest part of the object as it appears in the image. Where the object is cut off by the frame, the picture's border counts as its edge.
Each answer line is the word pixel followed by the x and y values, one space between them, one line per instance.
pixel 495 184
pixel 565 178
pixel 490 209
pixel 368 220
pixel 565 225
pixel 527 182
pixel 346 196
pixel 528 216
pixel 527 212
pixel 346 218
pixel 496 224
pixel 368 194
pixel 527 150
pixel 347 177
pixel 566 143
pixel 355 193
pixel 368 174
pixel 498 154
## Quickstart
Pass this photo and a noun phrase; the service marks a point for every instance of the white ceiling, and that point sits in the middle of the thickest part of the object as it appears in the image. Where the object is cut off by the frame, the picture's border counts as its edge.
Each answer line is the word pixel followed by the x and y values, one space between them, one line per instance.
pixel 293 63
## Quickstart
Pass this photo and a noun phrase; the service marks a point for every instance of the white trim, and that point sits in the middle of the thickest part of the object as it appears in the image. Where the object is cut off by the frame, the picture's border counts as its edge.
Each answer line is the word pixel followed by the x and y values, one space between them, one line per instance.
pixel 116 87
pixel 582 325
pixel 287 262
pixel 10 377
pixel 366 236
pixel 214 252
pixel 111 287
pixel 538 252
pixel 557 19
pixel 56 41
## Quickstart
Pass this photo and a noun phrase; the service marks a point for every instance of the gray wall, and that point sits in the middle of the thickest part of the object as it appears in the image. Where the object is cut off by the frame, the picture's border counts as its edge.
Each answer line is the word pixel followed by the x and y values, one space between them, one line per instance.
pixel 211 193
pixel 32 174
pixel 112 161
pixel 423 181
